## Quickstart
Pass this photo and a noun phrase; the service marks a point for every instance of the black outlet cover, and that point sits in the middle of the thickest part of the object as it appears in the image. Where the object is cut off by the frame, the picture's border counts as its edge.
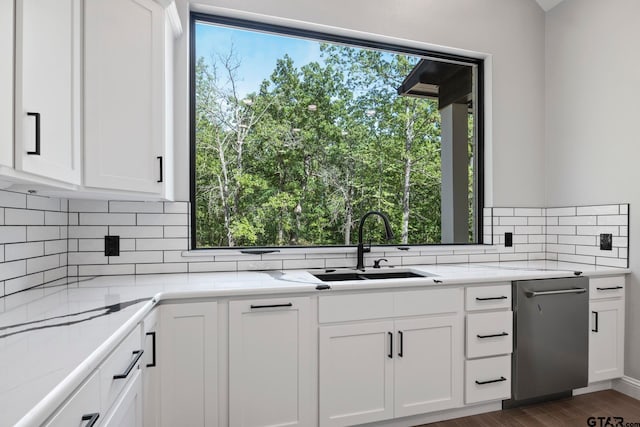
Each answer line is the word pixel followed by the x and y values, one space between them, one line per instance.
pixel 606 242
pixel 508 239
pixel 111 245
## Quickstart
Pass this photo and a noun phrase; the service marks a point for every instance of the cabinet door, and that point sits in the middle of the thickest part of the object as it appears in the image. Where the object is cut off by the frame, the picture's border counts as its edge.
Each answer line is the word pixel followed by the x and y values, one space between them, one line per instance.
pixel 127 410
pixel 124 94
pixel 606 340
pixel 428 365
pixel 270 362
pixel 6 82
pixel 356 373
pixel 188 359
pixel 48 109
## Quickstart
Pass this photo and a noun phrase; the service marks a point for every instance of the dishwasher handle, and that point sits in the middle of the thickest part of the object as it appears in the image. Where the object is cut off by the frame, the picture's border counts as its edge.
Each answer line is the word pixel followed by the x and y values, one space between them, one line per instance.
pixel 531 294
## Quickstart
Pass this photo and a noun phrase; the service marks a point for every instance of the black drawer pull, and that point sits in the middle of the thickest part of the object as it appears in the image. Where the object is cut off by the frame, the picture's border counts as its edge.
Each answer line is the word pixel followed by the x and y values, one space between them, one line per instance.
pixel 137 355
pixel 490 298
pixel 92 418
pixel 595 328
pixel 37 150
pixel 491 381
pixel 501 334
pixel 401 351
pixel 153 348
pixel 612 288
pixel 390 355
pixel 271 306
pixel 161 172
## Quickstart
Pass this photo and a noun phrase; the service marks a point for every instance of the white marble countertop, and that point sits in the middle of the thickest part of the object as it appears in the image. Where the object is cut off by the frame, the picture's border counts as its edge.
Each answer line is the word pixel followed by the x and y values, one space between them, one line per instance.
pixel 51 339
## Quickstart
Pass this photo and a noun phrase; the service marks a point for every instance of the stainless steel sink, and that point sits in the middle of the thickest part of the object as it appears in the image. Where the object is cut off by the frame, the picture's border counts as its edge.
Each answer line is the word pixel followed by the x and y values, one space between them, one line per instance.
pixel 344 275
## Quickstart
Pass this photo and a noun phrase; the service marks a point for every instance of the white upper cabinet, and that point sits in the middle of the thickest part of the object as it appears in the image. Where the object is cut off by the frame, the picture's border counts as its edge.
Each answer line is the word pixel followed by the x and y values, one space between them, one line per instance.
pixel 6 82
pixel 48 89
pixel 127 82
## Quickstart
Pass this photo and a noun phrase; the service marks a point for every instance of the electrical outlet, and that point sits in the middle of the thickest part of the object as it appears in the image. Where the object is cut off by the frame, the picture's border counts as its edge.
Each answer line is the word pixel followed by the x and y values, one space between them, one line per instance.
pixel 508 239
pixel 606 242
pixel 111 245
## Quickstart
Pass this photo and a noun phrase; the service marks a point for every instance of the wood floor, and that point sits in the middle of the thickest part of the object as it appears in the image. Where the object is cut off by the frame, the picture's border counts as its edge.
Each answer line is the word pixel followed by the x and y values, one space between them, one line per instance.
pixel 573 411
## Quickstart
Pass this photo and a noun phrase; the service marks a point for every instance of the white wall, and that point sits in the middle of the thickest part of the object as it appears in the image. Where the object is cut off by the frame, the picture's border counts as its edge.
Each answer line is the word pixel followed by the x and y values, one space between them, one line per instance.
pixel 511 32
pixel 592 114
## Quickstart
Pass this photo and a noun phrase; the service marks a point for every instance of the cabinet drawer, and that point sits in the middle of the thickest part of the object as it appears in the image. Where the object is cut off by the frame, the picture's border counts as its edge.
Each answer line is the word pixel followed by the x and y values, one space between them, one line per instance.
pixel 84 403
pixel 489 334
pixel 341 308
pixel 117 365
pixel 432 301
pixel 487 379
pixel 488 297
pixel 606 287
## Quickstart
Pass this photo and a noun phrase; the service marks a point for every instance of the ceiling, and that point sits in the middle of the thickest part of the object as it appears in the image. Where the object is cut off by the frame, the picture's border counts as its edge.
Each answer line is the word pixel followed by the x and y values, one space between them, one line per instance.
pixel 548 4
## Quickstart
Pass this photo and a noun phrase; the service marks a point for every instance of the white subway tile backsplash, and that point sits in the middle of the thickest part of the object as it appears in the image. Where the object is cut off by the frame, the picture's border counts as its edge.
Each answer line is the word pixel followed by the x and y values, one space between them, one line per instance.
pixel 46 232
pixel 452 259
pixel 513 257
pixel 82 258
pixel 9 199
pixel 107 219
pixel 55 274
pixel 55 246
pixel 176 207
pixel 88 231
pixel 595 251
pixel 419 259
pixel 598 210
pixel 552 220
pixel 106 270
pixel 259 265
pixel 43 203
pixel 197 267
pixel 12 234
pixel 578 240
pixel 612 220
pixel 163 219
pixel 561 229
pixel 580 259
pixel 561 249
pixel 577 220
pixel 176 231
pixel 24 282
pixel 503 212
pixel 597 230
pixel 23 217
pixel 295 264
pixel 161 244
pixel 11 269
pixel 47 262
pixel 137 257
pixel 624 209
pixel 145 232
pixel 569 211
pixel 620 242
pixel 56 218
pixel 513 220
pixel 529 229
pixel 536 220
pixel 624 230
pixel 612 262
pixel 88 206
pixel 16 251
pixel 529 212
pixel 135 207
pixel 176 256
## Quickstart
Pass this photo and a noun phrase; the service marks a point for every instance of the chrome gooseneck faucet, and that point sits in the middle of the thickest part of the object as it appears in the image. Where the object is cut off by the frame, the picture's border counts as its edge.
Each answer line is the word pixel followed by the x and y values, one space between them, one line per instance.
pixel 361 248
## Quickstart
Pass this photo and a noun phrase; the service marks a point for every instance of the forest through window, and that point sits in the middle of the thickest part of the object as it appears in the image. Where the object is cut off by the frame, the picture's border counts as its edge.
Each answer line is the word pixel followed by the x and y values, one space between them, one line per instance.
pixel 295 139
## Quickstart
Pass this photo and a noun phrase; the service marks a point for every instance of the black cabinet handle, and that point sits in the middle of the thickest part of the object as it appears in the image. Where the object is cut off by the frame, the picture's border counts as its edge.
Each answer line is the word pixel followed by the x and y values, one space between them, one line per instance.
pixel 253 307
pixel 153 348
pixel 612 288
pixel 161 172
pixel 136 356
pixel 491 381
pixel 37 150
pixel 401 350
pixel 92 418
pixel 501 334
pixel 490 298
pixel 595 329
pixel 390 355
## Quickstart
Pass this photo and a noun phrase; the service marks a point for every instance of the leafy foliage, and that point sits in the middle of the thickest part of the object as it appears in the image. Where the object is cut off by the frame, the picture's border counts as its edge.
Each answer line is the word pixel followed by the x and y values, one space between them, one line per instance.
pixel 301 159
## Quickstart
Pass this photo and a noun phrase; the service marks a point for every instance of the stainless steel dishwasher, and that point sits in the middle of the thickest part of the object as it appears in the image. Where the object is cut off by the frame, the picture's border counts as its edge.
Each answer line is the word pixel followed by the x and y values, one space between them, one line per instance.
pixel 551 340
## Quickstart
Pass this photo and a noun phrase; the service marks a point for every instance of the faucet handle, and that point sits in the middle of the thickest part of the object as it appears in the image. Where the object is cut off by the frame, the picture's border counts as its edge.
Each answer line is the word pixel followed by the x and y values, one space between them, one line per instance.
pixel 376 263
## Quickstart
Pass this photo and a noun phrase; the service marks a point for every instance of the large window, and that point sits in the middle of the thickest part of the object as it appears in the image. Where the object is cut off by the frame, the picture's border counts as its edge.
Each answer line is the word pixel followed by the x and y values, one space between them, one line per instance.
pixel 297 134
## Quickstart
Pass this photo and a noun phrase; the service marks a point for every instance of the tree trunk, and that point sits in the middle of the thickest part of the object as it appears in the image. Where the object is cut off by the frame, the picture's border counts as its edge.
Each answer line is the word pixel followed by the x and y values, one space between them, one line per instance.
pixel 406 187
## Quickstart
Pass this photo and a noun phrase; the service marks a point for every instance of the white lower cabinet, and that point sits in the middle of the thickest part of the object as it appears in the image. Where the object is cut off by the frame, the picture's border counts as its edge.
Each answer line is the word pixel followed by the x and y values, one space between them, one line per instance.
pixel 128 409
pixel 606 340
pixel 151 370
pixel 487 379
pixel 188 360
pixel 380 370
pixel 427 365
pixel 270 364
pixel 82 407
pixel 356 373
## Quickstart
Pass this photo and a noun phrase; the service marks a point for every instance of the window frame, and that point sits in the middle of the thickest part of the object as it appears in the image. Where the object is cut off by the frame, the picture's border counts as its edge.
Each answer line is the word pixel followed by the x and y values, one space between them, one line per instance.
pixel 195 17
